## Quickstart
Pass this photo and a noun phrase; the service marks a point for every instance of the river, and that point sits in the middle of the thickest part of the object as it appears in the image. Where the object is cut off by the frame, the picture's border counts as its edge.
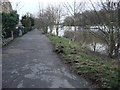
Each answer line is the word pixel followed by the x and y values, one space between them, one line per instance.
pixel 99 47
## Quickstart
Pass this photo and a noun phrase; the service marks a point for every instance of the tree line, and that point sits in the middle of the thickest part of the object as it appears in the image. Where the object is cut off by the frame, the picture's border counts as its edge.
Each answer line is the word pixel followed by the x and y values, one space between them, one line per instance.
pixel 49 17
pixel 11 20
pixel 106 19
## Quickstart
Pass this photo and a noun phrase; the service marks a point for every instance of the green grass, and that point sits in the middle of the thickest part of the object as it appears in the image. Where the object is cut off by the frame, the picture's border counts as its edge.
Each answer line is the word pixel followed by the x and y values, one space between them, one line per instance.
pixel 6 41
pixel 100 69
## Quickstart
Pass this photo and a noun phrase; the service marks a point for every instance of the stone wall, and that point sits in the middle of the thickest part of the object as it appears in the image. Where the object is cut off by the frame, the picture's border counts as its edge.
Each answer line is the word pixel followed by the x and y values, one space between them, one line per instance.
pixel 5 6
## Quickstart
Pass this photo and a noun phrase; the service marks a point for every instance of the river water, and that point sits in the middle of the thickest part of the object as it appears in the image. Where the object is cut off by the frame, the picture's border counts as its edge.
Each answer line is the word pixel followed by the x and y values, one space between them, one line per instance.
pixel 99 47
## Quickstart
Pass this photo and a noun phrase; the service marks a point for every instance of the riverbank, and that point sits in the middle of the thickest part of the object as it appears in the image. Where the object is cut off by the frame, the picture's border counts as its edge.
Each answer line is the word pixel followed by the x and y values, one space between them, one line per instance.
pixel 100 69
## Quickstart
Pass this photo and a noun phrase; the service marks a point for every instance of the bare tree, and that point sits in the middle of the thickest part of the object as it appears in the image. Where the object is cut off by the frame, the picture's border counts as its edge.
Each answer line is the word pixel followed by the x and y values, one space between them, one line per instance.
pixel 43 21
pixel 105 20
pixel 18 6
pixel 47 18
pixel 108 28
pixel 73 9
pixel 51 14
pixel 59 13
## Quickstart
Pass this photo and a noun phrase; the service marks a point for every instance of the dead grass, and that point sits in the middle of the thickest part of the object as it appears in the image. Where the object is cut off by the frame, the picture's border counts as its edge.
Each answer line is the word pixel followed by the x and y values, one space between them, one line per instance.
pixel 100 69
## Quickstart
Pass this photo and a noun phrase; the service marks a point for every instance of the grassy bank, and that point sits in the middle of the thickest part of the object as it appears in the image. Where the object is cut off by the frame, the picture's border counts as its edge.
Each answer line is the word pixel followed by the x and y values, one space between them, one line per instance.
pixel 100 69
pixel 6 41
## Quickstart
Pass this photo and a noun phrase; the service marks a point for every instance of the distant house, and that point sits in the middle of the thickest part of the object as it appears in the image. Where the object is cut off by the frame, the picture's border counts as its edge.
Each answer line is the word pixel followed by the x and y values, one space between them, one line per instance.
pixel 72 28
pixel 5 6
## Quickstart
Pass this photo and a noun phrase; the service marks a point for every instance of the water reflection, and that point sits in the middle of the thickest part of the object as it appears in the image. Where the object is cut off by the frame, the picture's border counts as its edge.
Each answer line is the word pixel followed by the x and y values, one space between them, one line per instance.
pixel 101 48
pixel 94 46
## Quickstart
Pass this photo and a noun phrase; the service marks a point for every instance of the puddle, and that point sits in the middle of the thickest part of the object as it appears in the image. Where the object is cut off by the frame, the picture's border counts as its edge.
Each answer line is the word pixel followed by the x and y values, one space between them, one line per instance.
pixel 31 76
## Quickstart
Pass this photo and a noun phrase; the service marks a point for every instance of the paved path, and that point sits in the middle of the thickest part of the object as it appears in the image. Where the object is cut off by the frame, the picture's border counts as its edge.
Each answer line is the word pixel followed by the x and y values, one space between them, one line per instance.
pixel 29 62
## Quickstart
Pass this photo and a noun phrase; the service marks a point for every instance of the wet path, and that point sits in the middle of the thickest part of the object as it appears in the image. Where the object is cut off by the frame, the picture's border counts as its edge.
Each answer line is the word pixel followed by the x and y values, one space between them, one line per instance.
pixel 29 62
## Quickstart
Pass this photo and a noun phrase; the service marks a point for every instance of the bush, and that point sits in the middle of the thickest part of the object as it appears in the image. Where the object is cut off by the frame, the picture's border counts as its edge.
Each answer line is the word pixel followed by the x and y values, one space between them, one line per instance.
pixel 9 22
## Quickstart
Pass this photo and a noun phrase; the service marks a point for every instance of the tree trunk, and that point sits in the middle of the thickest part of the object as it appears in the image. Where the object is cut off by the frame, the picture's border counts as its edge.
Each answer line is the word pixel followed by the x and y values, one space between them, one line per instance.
pixel 117 50
pixel 110 51
pixel 94 46
pixel 111 47
pixel 118 44
pixel 51 29
pixel 12 34
pixel 57 30
pixel 46 30
pixel 74 38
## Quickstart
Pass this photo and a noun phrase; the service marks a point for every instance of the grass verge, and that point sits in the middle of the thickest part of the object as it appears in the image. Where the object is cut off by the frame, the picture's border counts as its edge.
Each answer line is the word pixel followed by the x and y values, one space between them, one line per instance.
pixel 6 41
pixel 100 69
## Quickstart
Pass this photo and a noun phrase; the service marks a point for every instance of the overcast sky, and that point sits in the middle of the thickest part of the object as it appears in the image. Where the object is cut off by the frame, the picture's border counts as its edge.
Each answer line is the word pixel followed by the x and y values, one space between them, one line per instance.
pixel 32 6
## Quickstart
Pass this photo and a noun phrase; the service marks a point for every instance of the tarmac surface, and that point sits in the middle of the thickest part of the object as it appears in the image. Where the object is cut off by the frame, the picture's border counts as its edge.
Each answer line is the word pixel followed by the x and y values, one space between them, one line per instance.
pixel 29 62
